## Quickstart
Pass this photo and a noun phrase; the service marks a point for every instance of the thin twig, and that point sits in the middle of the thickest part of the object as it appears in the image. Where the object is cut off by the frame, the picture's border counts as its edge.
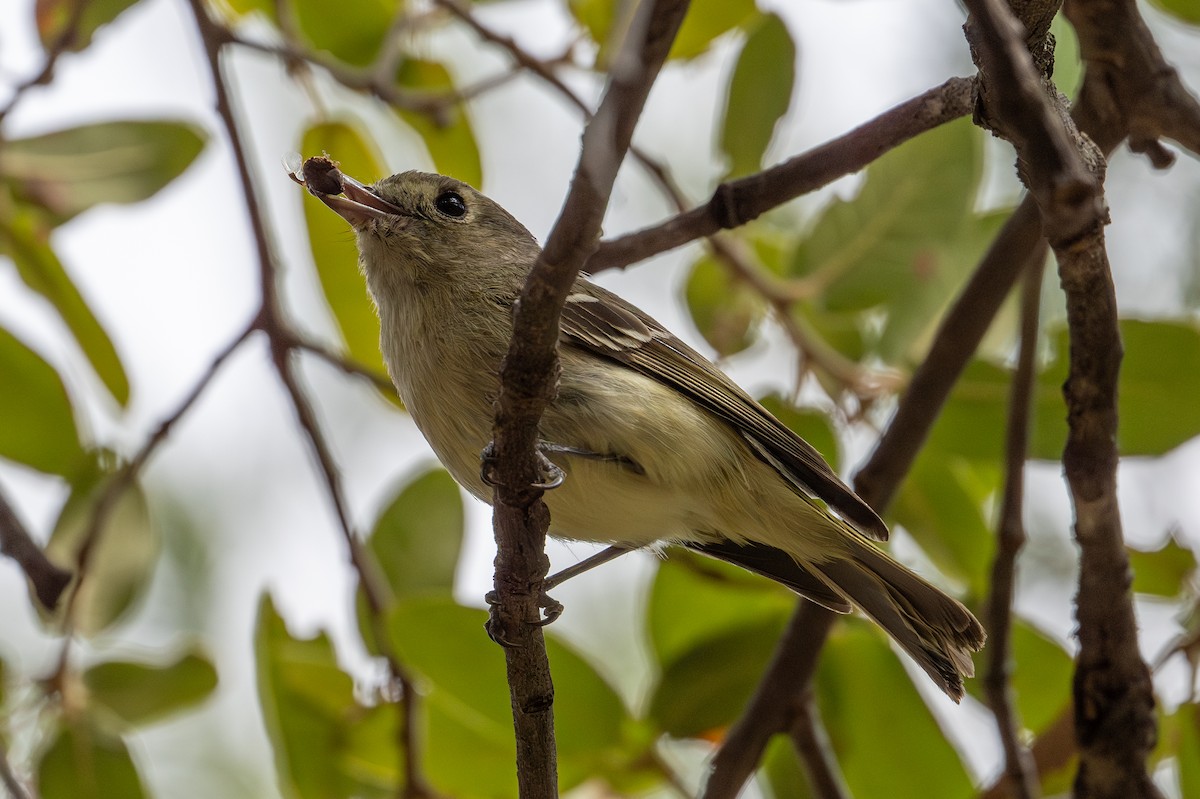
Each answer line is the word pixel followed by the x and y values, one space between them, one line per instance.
pixel 1010 538
pixel 9 779
pixel 63 43
pixel 812 744
pixel 740 201
pixel 270 319
pixel 47 579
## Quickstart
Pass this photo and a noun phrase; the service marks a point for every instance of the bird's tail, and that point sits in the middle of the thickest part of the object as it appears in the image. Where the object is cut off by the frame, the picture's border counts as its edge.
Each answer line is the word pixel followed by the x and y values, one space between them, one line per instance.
pixel 935 629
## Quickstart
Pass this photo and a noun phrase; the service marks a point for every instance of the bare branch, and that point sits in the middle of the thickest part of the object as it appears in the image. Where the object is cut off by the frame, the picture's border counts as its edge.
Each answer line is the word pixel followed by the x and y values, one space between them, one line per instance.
pixel 1114 698
pixel 47 579
pixel 740 201
pixel 528 378
pixel 1018 761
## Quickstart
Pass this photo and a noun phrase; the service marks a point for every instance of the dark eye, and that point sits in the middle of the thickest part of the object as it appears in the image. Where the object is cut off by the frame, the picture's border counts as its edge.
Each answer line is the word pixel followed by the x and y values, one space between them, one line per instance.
pixel 451 203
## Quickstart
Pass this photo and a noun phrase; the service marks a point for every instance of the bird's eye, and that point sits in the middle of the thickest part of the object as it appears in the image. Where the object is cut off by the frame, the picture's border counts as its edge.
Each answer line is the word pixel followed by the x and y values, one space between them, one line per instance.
pixel 451 203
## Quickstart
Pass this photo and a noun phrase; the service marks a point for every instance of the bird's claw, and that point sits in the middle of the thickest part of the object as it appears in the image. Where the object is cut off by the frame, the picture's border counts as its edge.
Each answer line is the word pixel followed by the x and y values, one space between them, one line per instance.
pixel 550 475
pixel 498 631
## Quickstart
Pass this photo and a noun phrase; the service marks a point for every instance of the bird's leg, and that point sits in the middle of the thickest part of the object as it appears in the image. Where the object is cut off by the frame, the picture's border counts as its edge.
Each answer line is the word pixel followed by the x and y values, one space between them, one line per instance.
pixel 550 606
pixel 551 476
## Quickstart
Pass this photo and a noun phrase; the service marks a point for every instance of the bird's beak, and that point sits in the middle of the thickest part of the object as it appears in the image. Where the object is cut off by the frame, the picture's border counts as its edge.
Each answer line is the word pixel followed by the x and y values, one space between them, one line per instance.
pixel 356 203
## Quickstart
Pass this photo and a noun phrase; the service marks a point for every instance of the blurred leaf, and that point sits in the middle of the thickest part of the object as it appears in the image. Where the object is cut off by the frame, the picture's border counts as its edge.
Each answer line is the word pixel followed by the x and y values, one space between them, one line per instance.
pixel 467 700
pixel 69 171
pixel 1185 724
pixel 708 19
pixel 887 742
pixel 448 135
pixel 39 267
pixel 53 19
pixel 142 694
pixel 915 310
pixel 121 557
pixel 813 426
pixel 1164 571
pixel 332 242
pixel 418 536
pixel 941 504
pixel 1041 677
pixel 39 425
pixel 760 92
pixel 1159 375
pixel 726 311
pixel 782 772
pixel 695 598
pixel 85 762
pixel 326 744
pixel 1183 10
pixel 706 688
pixel 863 251
pixel 241 8
pixel 352 31
pixel 705 21
pixel 1068 66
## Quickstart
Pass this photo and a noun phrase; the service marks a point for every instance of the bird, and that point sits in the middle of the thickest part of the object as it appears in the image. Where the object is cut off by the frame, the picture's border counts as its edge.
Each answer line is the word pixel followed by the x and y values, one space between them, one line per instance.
pixel 651 442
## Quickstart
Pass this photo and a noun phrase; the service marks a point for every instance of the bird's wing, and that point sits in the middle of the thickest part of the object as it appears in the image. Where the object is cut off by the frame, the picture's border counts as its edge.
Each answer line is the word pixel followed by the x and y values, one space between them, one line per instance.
pixel 604 324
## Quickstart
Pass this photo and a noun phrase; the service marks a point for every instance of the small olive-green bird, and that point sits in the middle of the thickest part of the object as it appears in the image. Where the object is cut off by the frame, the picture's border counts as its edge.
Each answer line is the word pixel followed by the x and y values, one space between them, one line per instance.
pixel 654 442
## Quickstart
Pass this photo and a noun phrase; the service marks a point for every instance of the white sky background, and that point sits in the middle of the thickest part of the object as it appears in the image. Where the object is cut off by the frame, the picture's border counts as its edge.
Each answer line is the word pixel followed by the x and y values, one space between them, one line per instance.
pixel 173 279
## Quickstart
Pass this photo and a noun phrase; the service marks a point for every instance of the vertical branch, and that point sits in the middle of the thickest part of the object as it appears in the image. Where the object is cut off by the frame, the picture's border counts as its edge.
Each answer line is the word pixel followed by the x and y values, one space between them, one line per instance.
pixel 1018 762
pixel 527 384
pixel 1114 699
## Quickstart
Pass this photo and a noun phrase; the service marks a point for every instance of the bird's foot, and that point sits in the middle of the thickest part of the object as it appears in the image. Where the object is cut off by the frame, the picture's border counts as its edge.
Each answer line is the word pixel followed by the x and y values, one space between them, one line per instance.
pixel 549 474
pixel 500 632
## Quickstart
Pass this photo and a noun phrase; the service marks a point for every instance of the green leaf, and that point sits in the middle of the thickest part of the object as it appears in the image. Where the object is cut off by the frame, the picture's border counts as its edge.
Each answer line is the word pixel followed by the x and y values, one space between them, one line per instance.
pixel 1159 375
pixel 447 134
pixel 141 694
pixel 39 424
pixel 705 689
pixel 1164 571
pixel 352 31
pixel 813 426
pixel 326 743
pixel 760 92
pixel 1183 10
pixel 121 557
pixel 783 773
pixel 54 19
pixel 708 19
pixel 695 598
pixel 85 762
pixel 725 311
pixel 916 308
pixel 467 700
pixel 863 251
pixel 1185 722
pixel 39 267
pixel 1041 673
pixel 333 249
pixel 705 21
pixel 69 171
pixel 887 742
pixel 941 504
pixel 418 536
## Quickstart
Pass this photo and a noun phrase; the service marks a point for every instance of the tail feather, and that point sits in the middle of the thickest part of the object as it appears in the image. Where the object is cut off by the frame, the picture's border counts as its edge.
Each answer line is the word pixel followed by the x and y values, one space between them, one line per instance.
pixel 935 629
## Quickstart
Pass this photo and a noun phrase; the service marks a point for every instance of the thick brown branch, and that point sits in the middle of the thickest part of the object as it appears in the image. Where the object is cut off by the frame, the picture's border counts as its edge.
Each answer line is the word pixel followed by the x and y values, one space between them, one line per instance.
pixel 1114 699
pixel 740 201
pixel 528 378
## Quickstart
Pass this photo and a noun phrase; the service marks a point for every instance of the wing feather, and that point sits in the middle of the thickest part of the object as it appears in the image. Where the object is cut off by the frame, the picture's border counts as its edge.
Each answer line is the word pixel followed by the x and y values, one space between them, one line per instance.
pixel 606 325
